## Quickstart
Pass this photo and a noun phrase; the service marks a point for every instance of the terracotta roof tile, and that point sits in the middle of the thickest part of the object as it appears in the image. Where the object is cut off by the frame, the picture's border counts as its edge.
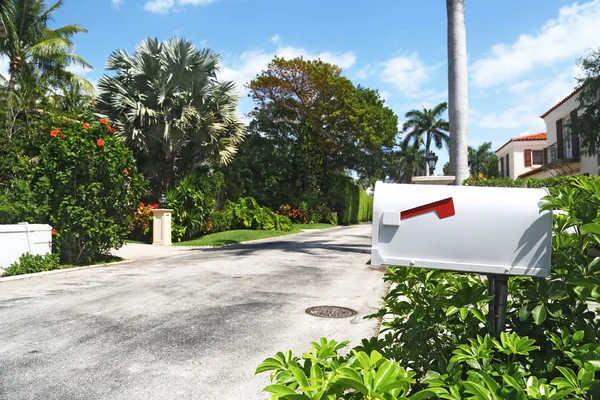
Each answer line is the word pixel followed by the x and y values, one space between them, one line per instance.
pixel 524 138
pixel 573 93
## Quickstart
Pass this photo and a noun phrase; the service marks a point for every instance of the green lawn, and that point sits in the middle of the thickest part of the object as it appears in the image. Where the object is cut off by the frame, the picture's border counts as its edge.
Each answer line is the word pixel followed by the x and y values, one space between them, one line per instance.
pixel 242 235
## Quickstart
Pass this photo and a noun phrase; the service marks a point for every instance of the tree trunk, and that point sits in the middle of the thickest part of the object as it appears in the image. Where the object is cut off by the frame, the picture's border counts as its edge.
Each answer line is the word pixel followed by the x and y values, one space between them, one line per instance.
pixel 427 146
pixel 458 96
pixel 168 179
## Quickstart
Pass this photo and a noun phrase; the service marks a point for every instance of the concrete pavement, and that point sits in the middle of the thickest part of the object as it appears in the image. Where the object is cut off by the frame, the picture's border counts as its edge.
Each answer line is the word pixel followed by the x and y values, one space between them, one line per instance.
pixel 186 323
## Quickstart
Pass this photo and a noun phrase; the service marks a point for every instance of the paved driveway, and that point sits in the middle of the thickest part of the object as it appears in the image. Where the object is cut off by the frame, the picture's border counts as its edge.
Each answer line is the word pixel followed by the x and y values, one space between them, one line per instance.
pixel 183 323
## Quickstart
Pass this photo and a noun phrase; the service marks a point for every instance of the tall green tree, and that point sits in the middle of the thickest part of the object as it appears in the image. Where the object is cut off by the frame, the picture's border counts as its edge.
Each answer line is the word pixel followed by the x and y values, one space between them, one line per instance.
pixel 458 96
pixel 482 160
pixel 587 124
pixel 428 127
pixel 166 101
pixel 26 39
pixel 318 119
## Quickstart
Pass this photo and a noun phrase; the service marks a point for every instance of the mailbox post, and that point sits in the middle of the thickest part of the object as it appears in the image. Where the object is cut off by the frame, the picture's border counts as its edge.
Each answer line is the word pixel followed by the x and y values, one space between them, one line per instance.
pixel 493 231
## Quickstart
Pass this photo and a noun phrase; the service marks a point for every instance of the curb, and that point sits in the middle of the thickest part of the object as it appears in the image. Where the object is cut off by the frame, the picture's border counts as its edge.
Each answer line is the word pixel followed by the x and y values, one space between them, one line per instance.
pixel 255 240
pixel 60 271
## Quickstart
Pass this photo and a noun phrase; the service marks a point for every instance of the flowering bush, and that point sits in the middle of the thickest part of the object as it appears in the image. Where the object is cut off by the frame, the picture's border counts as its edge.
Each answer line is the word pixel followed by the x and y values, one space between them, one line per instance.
pixel 93 188
pixel 142 221
pixel 294 214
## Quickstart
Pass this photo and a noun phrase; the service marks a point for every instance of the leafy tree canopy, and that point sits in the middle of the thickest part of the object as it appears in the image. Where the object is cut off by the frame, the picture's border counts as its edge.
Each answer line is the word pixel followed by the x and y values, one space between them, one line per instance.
pixel 321 121
pixel 587 124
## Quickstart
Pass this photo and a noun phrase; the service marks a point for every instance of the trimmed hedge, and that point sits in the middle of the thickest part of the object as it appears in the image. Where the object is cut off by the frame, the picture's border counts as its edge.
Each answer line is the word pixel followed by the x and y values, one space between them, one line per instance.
pixel 357 208
pixel 527 182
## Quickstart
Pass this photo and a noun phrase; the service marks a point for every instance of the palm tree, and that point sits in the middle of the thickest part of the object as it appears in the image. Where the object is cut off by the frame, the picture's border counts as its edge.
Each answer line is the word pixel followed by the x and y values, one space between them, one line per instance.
pixel 481 159
pixel 409 161
pixel 428 123
pixel 167 103
pixel 26 39
pixel 458 96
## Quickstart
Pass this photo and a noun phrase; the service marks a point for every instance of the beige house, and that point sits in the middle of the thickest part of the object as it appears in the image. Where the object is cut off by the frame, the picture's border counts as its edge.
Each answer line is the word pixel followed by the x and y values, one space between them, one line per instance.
pixel 521 155
pixel 562 156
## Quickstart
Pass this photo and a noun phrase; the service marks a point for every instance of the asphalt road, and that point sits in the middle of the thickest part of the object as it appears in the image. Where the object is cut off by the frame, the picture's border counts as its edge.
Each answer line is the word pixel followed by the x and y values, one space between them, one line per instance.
pixel 186 323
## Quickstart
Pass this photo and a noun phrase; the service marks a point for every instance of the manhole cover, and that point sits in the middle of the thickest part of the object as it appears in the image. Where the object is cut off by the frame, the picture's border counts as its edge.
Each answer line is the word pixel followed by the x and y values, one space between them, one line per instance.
pixel 330 312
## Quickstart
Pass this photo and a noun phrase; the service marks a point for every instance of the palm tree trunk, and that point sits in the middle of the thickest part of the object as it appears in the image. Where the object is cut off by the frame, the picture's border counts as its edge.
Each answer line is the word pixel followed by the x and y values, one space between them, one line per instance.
pixel 427 146
pixel 458 96
pixel 168 178
pixel 12 82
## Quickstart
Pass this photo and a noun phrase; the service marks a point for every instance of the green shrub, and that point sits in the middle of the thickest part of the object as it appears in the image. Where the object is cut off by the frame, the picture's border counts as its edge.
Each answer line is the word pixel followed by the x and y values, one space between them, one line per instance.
pixel 527 182
pixel 193 201
pixel 248 214
pixel 89 178
pixel 29 264
pixel 283 223
pixel 221 220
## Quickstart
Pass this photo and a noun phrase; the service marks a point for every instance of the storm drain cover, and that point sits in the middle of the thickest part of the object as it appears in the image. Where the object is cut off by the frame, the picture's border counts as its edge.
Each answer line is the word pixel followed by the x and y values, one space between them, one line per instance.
pixel 330 312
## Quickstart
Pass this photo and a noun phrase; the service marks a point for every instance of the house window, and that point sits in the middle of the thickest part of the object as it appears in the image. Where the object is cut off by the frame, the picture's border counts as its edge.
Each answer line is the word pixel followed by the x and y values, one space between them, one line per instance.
pixel 507 167
pixel 537 157
pixel 502 167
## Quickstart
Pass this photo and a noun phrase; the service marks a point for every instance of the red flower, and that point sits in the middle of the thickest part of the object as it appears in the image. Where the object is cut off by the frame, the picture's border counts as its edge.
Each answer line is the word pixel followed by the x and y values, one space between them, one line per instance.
pixel 100 142
pixel 93 102
pixel 126 172
pixel 104 121
pixel 53 231
pixel 111 129
pixel 86 126
pixel 55 132
pixel 62 136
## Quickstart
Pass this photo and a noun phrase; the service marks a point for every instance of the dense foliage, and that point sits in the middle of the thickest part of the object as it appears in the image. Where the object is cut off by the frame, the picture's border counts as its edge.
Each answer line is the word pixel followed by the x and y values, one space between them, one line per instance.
pixel 311 122
pixel 435 341
pixel 29 264
pixel 586 127
pixel 483 161
pixel 168 104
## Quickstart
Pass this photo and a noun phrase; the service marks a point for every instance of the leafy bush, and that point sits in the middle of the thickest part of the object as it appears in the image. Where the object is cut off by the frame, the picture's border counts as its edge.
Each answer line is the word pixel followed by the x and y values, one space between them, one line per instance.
pixel 193 201
pixel 283 223
pixel 142 222
pixel 29 264
pixel 485 368
pixel 90 180
pixel 527 182
pixel 221 220
pixel 294 214
pixel 248 214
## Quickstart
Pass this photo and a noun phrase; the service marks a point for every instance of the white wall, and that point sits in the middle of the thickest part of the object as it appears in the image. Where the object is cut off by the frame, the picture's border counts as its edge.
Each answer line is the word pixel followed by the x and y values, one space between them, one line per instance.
pixel 587 165
pixel 516 156
pixel 16 240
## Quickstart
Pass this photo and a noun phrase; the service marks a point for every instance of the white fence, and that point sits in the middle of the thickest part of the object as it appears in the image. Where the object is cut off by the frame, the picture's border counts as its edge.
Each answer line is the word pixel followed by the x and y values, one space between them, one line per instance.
pixel 16 240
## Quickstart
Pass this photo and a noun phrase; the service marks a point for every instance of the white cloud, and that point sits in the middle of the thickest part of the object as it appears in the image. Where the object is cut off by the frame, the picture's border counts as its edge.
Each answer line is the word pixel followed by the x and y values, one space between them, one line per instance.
pixel 406 73
pixel 117 3
pixel 164 6
pixel 78 69
pixel 159 6
pixel 524 113
pixel 564 38
pixel 275 38
pixel 251 63
pixel 520 87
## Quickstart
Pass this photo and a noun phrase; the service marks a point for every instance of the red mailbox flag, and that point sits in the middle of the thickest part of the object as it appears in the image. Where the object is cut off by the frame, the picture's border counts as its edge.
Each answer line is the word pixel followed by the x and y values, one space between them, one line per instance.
pixel 443 208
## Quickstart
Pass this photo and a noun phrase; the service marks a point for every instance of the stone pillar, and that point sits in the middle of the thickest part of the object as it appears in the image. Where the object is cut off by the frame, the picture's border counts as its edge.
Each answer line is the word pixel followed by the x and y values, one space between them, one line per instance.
pixel 432 180
pixel 161 227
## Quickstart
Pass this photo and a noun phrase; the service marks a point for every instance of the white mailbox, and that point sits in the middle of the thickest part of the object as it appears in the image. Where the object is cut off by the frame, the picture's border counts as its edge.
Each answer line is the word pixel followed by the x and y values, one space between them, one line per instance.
pixel 486 230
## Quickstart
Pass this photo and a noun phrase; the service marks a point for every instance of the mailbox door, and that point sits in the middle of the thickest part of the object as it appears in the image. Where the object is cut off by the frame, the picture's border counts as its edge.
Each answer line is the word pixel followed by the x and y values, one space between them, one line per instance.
pixel 488 230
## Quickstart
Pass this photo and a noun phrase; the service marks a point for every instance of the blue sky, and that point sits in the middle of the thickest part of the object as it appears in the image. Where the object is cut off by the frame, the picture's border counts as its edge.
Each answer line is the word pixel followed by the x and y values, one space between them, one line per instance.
pixel 522 54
